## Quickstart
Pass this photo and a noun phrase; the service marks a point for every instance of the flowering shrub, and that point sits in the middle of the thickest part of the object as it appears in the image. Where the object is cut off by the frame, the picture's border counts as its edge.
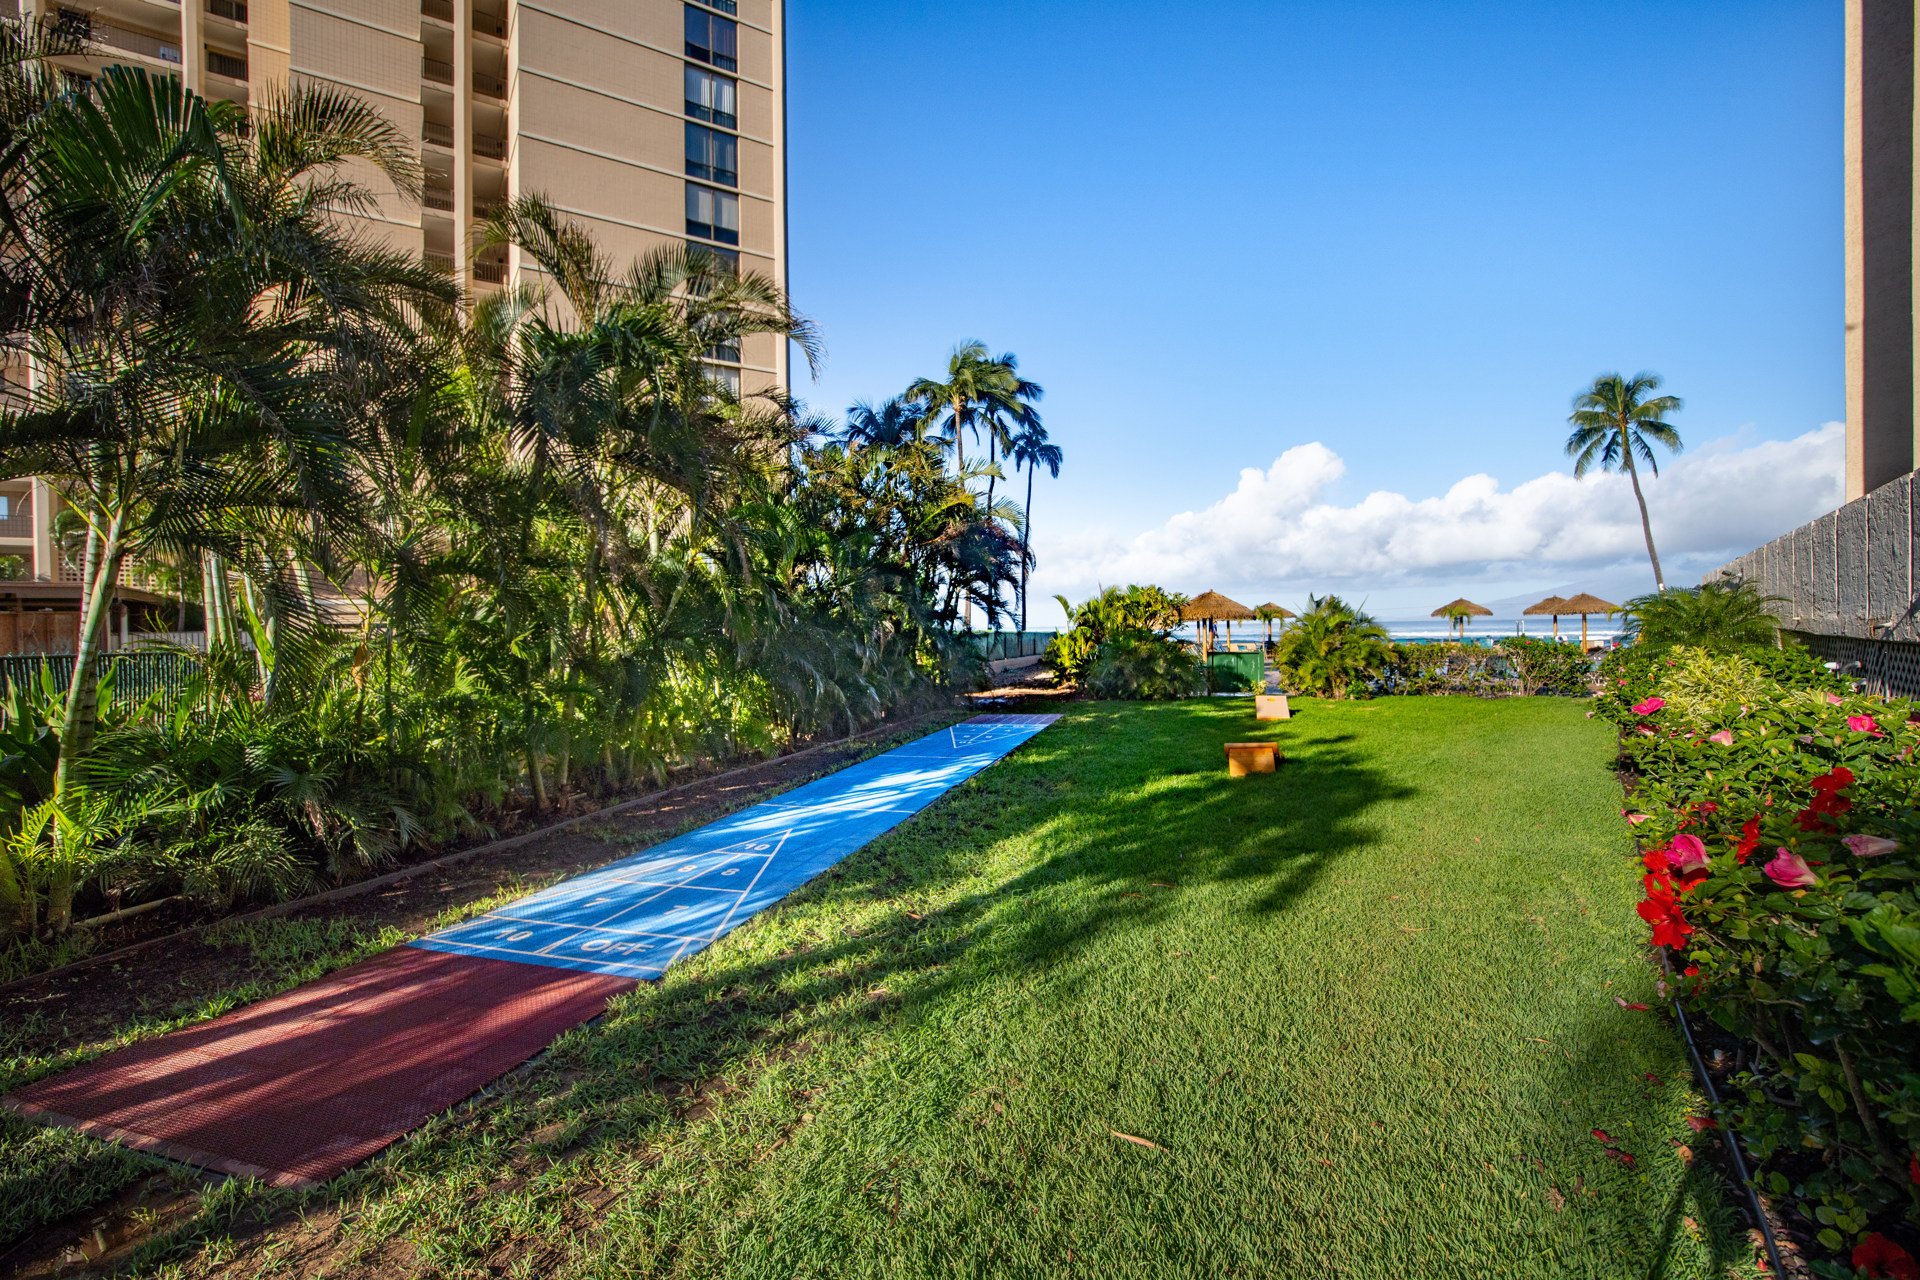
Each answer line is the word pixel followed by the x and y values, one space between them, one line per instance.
pixel 1780 818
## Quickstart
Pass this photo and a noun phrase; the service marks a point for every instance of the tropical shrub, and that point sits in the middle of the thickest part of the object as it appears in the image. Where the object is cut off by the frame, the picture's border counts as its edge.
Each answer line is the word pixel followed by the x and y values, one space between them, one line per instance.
pixel 1117 614
pixel 1537 665
pixel 1141 665
pixel 1780 819
pixel 1333 649
pixel 1442 669
pixel 1716 615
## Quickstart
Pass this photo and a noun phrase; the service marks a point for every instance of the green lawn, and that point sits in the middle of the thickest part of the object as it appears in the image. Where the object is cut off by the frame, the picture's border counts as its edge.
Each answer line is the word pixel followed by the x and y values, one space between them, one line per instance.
pixel 1364 1008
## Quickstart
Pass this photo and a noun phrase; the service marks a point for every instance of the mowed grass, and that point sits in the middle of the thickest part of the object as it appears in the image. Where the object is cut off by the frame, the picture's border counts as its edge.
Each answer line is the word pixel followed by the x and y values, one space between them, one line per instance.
pixel 1364 1010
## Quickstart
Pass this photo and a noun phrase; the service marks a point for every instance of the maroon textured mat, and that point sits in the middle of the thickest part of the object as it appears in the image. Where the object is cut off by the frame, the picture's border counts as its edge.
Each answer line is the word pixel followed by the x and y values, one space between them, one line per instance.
pixel 297 1088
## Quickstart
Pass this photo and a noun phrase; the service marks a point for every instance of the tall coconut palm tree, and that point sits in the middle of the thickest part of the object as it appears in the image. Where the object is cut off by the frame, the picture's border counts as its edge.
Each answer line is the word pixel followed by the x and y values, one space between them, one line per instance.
pixel 1616 420
pixel 978 387
pixel 1031 450
pixel 998 422
pixel 979 390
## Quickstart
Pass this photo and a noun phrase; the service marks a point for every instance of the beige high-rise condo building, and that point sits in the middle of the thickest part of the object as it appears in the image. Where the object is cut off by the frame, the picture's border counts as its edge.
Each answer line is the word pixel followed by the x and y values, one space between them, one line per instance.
pixel 650 122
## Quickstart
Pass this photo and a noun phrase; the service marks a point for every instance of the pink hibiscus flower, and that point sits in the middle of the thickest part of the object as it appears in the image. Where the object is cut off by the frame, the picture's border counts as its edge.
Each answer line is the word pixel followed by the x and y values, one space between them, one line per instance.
pixel 1865 846
pixel 1648 707
pixel 1687 854
pixel 1724 737
pixel 1790 871
pixel 1865 724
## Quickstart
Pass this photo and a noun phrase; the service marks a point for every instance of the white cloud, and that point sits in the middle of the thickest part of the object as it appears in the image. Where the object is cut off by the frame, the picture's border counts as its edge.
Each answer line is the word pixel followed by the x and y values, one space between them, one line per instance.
pixel 1276 532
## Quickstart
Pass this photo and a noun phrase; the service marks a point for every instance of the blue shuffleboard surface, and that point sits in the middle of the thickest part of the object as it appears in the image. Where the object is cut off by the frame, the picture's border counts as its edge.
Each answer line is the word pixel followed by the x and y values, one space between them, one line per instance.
pixel 634 917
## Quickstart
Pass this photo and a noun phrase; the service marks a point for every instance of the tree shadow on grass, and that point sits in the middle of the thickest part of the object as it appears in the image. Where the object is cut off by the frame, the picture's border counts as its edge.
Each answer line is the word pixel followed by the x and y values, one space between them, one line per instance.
pixel 1117 809
pixel 1017 874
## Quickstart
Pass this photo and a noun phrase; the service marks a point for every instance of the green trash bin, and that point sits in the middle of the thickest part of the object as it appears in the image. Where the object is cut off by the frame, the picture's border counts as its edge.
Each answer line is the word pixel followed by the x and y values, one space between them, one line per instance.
pixel 1244 672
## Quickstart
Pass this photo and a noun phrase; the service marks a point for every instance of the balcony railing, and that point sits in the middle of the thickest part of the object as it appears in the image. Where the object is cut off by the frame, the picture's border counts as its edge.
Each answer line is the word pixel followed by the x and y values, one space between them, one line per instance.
pixel 438 198
pixel 226 64
pixel 491 24
pixel 439 71
pixel 231 10
pixel 136 42
pixel 18 522
pixel 441 135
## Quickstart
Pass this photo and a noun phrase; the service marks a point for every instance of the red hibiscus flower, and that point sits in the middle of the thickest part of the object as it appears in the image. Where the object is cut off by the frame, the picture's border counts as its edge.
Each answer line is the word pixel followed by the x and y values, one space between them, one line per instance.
pixel 1749 840
pixel 1882 1259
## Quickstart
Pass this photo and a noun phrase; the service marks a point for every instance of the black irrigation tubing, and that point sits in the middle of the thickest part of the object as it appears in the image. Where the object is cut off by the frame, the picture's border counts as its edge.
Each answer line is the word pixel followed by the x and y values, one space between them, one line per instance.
pixel 1740 1167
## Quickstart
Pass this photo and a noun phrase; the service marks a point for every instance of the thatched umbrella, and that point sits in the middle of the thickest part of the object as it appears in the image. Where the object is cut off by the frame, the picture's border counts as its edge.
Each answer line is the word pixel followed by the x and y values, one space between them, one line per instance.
pixel 1211 606
pixel 1584 604
pixel 1458 611
pixel 1553 605
pixel 1271 613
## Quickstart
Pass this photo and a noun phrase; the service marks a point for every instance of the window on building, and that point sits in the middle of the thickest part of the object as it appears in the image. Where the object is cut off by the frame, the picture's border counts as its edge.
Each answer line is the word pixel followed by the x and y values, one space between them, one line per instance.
pixel 729 256
pixel 726 377
pixel 712 155
pixel 728 351
pixel 713 215
pixel 711 98
pixel 712 39
pixel 6 503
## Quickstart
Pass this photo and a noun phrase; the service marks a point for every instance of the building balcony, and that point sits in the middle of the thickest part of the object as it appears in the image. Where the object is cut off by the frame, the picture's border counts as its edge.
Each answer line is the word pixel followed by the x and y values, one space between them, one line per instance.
pixel 441 135
pixel 438 71
pixel 484 23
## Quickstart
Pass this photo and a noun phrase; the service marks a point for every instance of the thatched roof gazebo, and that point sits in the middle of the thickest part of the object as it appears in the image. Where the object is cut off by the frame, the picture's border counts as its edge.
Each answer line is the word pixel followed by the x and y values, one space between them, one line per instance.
pixel 1458 611
pixel 1271 613
pixel 1211 606
pixel 1553 605
pixel 1586 603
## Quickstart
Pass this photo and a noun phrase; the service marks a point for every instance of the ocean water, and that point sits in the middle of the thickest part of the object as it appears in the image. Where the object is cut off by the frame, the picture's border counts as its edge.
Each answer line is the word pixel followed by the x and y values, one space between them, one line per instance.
pixel 1600 630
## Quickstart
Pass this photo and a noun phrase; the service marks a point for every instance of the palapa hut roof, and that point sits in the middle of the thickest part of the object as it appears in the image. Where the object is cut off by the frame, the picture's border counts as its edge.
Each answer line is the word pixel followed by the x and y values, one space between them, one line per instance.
pixel 1211 606
pixel 1552 604
pixel 1461 607
pixel 1586 603
pixel 1272 610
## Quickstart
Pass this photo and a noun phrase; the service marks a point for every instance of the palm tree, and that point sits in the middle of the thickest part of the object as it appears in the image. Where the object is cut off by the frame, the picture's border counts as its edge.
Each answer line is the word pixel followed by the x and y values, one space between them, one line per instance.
pixel 1332 647
pixel 1030 450
pixel 895 422
pixel 1615 420
pixel 980 389
pixel 999 422
pixel 206 332
pixel 1716 615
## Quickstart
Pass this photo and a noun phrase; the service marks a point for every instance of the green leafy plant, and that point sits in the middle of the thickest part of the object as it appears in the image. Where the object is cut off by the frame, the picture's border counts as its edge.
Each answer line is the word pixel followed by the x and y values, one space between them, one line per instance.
pixel 1546 666
pixel 1780 817
pixel 1143 666
pixel 1333 649
pixel 1116 614
pixel 1723 616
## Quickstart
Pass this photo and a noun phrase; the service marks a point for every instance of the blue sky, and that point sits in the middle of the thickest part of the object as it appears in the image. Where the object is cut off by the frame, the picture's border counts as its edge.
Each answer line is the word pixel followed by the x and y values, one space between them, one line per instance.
pixel 1402 234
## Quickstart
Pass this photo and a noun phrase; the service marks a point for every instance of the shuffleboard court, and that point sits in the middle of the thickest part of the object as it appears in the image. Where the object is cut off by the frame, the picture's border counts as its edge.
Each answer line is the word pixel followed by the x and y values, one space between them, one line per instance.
pixel 635 917
pixel 300 1087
